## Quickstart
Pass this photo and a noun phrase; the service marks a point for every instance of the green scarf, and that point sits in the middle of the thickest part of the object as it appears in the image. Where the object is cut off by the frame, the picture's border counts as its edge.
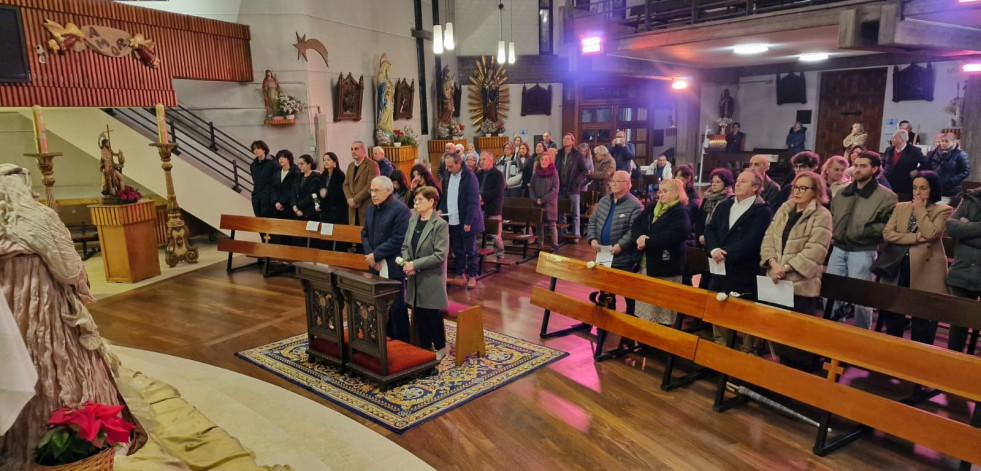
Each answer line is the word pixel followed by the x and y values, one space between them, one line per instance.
pixel 660 209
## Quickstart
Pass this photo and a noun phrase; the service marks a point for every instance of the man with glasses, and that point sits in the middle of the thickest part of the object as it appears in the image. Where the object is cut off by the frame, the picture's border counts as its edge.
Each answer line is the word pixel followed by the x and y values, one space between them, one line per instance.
pixel 384 229
pixel 610 226
pixel 803 162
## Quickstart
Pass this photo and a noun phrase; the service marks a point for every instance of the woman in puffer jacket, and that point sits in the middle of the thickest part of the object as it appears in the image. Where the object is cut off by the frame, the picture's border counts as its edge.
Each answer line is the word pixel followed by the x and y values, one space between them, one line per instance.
pixel 794 249
pixel 951 164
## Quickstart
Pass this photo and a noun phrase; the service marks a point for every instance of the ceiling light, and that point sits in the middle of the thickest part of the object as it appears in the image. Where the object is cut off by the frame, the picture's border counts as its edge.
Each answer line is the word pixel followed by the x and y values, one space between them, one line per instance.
pixel 750 49
pixel 968 1
pixel 437 39
pixel 511 56
pixel 679 84
pixel 976 67
pixel 592 44
pixel 814 57
pixel 501 53
pixel 448 42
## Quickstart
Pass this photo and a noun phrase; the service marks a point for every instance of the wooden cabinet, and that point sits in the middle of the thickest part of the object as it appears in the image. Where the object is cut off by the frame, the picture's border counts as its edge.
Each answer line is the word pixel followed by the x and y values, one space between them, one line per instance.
pixel 128 241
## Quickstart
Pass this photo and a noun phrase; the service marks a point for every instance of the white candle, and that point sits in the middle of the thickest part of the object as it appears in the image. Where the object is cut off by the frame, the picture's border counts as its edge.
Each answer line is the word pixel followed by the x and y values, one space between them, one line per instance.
pixel 161 124
pixel 40 132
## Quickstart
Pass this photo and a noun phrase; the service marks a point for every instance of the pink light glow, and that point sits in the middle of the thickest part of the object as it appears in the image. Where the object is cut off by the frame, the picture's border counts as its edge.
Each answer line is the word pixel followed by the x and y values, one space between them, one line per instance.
pixel 968 1
pixel 972 67
pixel 679 85
pixel 592 44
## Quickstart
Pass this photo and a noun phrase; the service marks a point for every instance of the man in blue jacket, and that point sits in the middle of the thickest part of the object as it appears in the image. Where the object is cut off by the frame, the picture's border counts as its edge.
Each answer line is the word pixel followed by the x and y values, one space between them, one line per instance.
pixel 461 208
pixel 386 223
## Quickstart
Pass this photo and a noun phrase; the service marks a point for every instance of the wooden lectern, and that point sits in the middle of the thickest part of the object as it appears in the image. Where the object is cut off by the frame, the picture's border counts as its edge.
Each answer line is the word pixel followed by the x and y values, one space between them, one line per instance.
pixel 128 240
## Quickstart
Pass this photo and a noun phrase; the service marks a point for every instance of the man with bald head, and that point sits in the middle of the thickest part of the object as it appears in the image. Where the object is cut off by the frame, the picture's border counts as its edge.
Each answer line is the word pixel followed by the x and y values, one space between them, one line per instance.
pixel 771 190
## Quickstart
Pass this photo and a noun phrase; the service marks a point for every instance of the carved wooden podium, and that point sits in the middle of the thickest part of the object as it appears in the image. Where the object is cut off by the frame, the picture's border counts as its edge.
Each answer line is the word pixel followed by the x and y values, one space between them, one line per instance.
pixel 127 237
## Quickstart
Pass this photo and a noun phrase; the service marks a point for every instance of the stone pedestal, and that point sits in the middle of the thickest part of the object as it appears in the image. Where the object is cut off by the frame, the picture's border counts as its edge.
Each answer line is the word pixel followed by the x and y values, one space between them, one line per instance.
pixel 127 238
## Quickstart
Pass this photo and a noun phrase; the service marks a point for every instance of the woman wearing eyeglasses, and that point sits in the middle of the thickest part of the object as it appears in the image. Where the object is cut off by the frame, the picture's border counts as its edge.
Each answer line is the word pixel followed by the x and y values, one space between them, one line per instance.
pixel 661 231
pixel 794 248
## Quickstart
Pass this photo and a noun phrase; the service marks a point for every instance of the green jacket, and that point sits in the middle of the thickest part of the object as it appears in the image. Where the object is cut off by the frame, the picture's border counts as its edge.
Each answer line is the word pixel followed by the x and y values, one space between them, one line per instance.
pixel 860 215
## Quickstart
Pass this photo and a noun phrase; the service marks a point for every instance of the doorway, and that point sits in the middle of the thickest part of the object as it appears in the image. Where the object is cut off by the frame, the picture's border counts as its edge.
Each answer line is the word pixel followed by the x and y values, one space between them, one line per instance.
pixel 848 97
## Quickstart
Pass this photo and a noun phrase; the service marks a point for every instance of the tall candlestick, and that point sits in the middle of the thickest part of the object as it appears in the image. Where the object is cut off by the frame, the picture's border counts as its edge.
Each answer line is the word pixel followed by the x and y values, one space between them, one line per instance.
pixel 40 132
pixel 161 123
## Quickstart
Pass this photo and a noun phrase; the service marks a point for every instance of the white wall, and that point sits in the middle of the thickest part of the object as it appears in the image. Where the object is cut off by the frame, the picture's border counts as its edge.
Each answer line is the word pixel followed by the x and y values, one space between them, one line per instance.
pixel 477 27
pixel 766 124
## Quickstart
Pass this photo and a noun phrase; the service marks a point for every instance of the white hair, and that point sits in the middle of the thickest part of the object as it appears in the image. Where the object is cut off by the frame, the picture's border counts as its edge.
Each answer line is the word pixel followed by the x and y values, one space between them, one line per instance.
pixel 384 181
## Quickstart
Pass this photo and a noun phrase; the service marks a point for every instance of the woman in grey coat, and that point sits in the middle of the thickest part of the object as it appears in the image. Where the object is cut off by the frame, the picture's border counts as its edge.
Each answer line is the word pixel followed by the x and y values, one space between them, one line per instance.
pixel 424 256
pixel 544 191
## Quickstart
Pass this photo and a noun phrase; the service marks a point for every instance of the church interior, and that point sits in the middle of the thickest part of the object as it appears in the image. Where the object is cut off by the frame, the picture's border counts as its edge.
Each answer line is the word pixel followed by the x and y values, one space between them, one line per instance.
pixel 137 269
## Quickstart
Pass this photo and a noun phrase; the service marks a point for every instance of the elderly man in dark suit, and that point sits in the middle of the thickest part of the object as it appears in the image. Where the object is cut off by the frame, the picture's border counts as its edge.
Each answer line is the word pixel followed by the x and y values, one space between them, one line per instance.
pixel 492 196
pixel 901 163
pixel 461 207
pixel 382 234
pixel 734 237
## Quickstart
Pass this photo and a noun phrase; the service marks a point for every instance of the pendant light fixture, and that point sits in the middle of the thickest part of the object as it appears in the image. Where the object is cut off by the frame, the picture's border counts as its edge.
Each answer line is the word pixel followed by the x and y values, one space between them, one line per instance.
pixel 448 42
pixel 437 39
pixel 501 53
pixel 511 56
pixel 442 37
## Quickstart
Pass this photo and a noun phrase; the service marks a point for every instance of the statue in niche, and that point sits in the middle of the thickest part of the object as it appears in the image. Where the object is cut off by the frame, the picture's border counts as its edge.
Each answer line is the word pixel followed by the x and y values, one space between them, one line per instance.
pixel 385 103
pixel 350 92
pixel 726 107
pixel 489 96
pixel 857 137
pixel 270 94
pixel 446 102
pixel 111 164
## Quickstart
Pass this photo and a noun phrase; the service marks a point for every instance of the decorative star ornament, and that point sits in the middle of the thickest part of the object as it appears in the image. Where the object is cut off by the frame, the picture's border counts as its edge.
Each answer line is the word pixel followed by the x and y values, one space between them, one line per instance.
pixel 303 44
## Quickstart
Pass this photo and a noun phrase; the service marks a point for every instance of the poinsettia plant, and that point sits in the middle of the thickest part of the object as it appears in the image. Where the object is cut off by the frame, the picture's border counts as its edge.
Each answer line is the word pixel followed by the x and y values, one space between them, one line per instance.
pixel 129 194
pixel 80 431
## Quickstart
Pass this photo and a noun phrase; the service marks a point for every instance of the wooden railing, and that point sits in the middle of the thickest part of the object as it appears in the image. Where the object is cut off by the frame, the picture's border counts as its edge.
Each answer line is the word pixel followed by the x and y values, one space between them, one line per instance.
pixel 931 367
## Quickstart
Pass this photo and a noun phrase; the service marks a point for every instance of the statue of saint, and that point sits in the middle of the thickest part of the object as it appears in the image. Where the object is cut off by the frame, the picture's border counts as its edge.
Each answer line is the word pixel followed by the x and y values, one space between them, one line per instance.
pixel 270 93
pixel 446 106
pixel 857 137
pixel 491 97
pixel 386 96
pixel 112 170
pixel 726 105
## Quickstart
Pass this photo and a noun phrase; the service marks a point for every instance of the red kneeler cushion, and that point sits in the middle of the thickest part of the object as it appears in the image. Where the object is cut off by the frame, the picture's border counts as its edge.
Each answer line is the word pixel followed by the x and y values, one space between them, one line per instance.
pixel 453 309
pixel 401 356
pixel 327 347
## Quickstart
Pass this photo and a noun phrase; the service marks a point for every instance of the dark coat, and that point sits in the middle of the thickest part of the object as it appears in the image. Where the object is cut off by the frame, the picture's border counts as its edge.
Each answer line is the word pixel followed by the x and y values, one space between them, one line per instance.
pixel 665 249
pixel 333 203
pixel 282 193
pixel 952 167
pixel 741 242
pixel 622 155
pixel 491 191
pixel 573 171
pixel 383 233
pixel 795 140
pixel 546 188
pixel 303 191
pixel 469 200
pixel 262 180
pixel 898 175
pixel 965 273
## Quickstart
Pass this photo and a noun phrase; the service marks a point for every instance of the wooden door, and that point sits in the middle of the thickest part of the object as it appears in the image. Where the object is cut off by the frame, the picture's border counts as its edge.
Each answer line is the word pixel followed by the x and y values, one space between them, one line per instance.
pixel 847 97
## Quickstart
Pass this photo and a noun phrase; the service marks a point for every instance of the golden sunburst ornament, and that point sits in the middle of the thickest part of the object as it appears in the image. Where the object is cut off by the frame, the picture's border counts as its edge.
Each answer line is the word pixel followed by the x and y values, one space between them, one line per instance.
pixel 489 95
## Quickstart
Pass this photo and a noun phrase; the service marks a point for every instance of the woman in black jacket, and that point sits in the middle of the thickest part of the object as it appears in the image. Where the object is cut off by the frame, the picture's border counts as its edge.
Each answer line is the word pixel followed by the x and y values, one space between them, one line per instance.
pixel 305 189
pixel 662 231
pixel 283 179
pixel 333 203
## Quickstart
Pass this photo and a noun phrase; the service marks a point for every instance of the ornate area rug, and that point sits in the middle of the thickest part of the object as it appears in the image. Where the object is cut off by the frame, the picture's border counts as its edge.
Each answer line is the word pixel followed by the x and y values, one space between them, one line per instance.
pixel 413 402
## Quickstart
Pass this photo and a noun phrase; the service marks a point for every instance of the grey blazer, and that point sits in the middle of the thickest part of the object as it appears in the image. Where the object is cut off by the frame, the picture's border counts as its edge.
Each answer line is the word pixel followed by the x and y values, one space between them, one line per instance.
pixel 427 289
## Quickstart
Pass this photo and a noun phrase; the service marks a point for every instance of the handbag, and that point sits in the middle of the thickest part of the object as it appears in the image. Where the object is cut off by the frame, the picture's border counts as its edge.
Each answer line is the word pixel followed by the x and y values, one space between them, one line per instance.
pixel 887 264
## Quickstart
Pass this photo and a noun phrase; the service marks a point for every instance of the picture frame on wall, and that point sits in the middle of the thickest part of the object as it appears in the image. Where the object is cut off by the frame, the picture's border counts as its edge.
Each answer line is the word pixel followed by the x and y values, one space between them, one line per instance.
pixel 404 98
pixel 536 100
pixel 350 95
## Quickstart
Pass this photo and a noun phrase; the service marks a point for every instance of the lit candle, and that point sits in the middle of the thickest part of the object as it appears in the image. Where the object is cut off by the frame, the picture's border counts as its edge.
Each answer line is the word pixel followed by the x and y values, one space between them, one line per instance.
pixel 161 124
pixel 40 133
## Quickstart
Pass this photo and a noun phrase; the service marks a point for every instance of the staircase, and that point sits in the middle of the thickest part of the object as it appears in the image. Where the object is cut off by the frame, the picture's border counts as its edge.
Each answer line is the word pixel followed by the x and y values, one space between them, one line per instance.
pixel 211 175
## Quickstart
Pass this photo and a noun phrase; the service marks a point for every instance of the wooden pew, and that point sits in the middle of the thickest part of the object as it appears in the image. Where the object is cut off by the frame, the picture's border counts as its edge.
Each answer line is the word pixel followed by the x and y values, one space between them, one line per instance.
pixel 943 370
pixel 527 220
pixel 292 228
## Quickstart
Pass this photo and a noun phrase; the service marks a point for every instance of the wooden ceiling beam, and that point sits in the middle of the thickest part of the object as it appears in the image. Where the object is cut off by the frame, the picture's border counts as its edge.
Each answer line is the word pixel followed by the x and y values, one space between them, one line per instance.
pixel 912 33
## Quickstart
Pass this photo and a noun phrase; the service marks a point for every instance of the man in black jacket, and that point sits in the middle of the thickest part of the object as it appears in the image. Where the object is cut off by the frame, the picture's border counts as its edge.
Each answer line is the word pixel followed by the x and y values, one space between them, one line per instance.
pixel 734 236
pixel 901 163
pixel 262 169
pixel 492 196
pixel 385 226
pixel 461 208
pixel 573 172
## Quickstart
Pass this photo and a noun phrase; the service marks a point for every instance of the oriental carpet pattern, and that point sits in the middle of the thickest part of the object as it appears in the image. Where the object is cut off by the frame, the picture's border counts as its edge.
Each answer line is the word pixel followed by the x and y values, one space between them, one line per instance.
pixel 410 403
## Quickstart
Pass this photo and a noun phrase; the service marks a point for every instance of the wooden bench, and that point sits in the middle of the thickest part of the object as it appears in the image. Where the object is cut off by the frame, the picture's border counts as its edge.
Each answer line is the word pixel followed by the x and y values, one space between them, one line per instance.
pixel 290 228
pixel 920 364
pixel 85 234
pixel 527 220
pixel 485 253
pixel 562 206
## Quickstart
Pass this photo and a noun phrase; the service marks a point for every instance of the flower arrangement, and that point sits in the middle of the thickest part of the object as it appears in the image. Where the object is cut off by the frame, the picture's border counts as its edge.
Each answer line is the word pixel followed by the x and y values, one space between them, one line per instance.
pixel 406 137
pixel 450 130
pixel 80 431
pixel 488 127
pixel 289 104
pixel 128 195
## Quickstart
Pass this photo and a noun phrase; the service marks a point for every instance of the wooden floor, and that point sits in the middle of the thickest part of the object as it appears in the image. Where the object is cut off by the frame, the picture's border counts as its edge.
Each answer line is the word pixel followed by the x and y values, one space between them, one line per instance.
pixel 575 414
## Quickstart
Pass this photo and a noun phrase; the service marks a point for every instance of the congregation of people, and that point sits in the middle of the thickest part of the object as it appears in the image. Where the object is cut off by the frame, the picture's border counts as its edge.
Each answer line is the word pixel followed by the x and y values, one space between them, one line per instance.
pixel 861 215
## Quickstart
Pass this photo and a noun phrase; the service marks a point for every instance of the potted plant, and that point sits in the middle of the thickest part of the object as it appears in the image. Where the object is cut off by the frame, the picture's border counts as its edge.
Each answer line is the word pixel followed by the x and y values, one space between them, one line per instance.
pixel 128 195
pixel 289 105
pixel 397 139
pixel 488 127
pixel 406 136
pixel 82 437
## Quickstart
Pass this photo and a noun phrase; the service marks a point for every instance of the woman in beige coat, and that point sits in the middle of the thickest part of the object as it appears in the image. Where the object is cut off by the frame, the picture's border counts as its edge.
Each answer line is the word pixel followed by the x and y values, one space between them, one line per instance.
pixel 919 224
pixel 794 248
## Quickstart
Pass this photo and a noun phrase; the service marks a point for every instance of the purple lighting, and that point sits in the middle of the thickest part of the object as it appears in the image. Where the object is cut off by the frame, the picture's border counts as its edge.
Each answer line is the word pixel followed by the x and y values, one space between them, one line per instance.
pixel 592 44
pixel 976 67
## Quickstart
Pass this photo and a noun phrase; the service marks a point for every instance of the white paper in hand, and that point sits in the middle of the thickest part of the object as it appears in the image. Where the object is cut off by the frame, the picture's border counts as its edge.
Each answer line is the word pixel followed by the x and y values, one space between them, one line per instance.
pixel 781 292
pixel 717 268
pixel 313 226
pixel 17 373
pixel 327 229
pixel 605 256
pixel 383 271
